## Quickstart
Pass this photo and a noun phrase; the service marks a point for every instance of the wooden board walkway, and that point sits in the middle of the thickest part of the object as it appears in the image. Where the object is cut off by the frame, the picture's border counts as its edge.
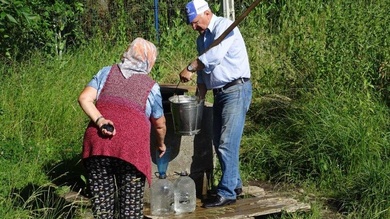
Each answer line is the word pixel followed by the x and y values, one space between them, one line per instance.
pixel 254 202
pixel 249 206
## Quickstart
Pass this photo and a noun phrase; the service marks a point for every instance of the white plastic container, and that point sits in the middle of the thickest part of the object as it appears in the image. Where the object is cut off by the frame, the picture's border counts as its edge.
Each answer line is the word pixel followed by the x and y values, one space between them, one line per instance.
pixel 161 197
pixel 185 194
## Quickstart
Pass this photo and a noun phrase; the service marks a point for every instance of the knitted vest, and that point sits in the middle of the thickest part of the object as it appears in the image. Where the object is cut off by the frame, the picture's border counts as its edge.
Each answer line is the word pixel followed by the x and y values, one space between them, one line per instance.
pixel 123 101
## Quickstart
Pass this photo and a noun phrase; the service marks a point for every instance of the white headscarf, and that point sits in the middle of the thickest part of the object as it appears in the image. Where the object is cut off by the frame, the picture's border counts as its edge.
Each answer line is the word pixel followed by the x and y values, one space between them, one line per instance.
pixel 139 58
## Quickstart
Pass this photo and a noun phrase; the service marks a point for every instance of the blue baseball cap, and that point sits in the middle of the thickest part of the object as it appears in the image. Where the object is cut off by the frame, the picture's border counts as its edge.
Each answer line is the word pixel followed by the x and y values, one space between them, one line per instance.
pixel 195 7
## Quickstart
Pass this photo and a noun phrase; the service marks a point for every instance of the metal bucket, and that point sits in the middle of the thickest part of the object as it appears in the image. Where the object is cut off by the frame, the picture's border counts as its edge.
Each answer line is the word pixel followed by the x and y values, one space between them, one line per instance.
pixel 187 114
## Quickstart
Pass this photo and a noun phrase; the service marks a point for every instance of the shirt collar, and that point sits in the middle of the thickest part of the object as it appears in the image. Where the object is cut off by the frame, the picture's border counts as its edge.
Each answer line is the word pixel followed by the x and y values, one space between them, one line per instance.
pixel 212 23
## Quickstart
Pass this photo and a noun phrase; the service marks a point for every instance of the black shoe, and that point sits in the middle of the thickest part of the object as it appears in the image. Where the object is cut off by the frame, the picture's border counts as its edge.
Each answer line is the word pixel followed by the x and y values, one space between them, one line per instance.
pixel 238 191
pixel 219 201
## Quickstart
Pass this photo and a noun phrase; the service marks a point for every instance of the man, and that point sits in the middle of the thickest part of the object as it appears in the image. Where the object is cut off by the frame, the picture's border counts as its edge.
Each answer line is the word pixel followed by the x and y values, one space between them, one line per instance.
pixel 225 70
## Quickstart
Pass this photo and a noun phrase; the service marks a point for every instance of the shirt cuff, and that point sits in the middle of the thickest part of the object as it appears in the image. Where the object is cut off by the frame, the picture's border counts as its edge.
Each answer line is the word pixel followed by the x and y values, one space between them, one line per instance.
pixel 203 59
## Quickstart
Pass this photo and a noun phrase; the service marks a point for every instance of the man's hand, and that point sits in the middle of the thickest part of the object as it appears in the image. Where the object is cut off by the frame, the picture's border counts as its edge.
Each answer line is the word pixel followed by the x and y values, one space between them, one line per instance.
pixel 185 75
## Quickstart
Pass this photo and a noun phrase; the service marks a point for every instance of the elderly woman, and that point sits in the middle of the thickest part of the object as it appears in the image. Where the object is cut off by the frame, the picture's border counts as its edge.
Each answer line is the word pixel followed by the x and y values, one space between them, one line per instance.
pixel 122 102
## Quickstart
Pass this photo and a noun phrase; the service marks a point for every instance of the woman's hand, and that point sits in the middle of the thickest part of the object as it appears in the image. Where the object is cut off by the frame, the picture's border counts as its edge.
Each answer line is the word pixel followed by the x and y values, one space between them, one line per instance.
pixel 162 148
pixel 104 127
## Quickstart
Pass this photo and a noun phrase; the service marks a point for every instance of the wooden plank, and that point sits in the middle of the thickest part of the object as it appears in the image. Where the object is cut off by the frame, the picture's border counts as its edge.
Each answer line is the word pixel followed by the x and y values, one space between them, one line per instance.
pixel 243 208
pixel 247 206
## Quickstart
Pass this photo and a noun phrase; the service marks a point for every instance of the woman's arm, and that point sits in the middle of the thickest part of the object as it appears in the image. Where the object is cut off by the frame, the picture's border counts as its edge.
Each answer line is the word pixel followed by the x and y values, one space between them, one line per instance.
pixel 161 130
pixel 87 102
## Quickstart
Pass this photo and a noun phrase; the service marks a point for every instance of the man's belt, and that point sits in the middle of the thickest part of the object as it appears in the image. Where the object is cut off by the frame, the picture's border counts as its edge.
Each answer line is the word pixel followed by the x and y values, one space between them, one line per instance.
pixel 232 83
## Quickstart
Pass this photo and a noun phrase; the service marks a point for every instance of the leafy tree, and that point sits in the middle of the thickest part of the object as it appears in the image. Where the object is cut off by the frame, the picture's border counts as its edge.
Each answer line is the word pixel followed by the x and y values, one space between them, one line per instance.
pixel 16 20
pixel 26 25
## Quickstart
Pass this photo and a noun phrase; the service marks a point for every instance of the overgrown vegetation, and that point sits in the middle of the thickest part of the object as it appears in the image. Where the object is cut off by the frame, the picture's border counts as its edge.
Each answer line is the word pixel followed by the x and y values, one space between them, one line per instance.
pixel 319 117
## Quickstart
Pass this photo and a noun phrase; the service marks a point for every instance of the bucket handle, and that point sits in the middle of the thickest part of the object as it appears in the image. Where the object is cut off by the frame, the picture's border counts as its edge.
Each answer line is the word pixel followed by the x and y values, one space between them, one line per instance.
pixel 174 92
pixel 196 92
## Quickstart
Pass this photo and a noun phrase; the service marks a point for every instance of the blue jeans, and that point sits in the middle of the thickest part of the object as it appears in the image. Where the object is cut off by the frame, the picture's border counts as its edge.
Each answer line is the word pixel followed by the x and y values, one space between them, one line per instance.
pixel 229 111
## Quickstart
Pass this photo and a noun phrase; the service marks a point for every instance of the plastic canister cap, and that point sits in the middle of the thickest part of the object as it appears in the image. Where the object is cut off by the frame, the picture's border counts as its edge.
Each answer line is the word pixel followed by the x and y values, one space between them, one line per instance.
pixel 184 173
pixel 162 176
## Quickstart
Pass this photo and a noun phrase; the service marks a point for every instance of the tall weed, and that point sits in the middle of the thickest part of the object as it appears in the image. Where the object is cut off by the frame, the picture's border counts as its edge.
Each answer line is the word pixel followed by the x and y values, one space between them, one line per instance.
pixel 316 114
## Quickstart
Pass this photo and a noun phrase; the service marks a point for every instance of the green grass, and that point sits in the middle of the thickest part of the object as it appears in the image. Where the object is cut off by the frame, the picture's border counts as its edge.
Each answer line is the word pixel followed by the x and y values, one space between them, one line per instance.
pixel 318 120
